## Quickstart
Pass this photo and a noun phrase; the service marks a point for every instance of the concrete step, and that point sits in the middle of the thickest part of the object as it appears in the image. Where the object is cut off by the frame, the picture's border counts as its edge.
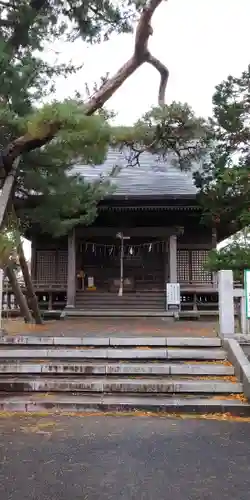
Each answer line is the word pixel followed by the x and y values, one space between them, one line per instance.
pixel 126 299
pixel 95 295
pixel 143 306
pixel 107 341
pixel 112 353
pixel 135 312
pixel 120 385
pixel 51 402
pixel 95 368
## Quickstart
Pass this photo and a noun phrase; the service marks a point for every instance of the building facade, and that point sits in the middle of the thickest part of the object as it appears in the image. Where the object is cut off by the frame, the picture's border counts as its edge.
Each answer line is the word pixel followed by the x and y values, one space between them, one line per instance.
pixel 148 233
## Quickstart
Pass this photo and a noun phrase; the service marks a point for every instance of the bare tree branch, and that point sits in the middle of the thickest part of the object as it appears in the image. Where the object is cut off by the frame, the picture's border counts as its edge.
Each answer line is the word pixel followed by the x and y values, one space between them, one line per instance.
pixel 164 73
pixel 140 56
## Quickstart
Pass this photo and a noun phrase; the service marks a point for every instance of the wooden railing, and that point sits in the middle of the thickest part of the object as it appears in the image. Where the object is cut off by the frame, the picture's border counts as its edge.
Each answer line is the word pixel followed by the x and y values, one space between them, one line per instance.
pixel 39 286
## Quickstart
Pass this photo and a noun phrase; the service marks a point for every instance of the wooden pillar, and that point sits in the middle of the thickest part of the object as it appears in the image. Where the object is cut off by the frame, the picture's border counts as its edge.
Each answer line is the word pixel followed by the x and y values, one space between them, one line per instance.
pixel 71 278
pixel 214 244
pixel 33 259
pixel 173 258
pixel 166 262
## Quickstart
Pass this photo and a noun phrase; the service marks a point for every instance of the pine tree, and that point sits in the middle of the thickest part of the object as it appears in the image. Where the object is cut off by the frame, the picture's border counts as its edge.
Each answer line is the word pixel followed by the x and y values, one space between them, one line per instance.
pixel 224 180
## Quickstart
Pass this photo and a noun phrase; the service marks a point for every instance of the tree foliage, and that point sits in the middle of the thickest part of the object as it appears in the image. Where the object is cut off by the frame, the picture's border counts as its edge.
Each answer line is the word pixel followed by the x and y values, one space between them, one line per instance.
pixel 235 256
pixel 224 178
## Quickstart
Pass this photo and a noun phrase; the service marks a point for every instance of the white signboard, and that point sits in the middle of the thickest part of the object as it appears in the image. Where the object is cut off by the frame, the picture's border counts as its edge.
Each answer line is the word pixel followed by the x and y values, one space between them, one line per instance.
pixel 247 291
pixel 173 294
pixel 91 282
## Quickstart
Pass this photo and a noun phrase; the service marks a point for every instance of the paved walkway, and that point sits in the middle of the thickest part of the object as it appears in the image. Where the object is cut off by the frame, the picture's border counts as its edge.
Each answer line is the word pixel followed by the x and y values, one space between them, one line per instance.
pixel 128 458
pixel 115 326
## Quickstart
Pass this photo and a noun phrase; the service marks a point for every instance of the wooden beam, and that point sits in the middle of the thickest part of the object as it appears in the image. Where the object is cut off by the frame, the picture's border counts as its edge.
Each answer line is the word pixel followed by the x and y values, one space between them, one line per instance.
pixel 194 246
pixel 154 232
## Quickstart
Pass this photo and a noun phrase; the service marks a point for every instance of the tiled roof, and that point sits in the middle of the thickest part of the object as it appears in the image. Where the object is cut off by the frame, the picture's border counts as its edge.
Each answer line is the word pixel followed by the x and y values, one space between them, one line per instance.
pixel 152 178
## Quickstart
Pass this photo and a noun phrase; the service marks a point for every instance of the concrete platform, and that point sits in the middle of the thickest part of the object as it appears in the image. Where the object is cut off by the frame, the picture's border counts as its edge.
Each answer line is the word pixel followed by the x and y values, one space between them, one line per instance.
pixel 116 327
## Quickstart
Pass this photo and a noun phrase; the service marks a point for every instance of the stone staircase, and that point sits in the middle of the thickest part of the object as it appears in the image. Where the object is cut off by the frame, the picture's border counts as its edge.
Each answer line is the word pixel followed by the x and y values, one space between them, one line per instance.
pixel 173 375
pixel 107 301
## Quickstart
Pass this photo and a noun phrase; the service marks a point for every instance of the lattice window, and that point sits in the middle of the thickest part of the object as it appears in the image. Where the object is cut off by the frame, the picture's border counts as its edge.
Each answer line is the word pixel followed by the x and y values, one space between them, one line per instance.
pixel 62 266
pixel 199 274
pixel 183 266
pixel 46 266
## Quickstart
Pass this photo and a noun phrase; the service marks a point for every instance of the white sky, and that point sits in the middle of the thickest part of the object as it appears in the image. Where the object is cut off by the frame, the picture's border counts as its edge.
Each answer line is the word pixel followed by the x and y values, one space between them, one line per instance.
pixel 201 42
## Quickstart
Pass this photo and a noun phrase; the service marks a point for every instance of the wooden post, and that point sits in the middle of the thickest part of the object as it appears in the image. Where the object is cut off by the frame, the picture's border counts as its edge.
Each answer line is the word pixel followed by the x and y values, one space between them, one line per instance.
pixel 214 244
pixel 173 258
pixel 166 263
pixel 50 304
pixel 33 259
pixel 71 278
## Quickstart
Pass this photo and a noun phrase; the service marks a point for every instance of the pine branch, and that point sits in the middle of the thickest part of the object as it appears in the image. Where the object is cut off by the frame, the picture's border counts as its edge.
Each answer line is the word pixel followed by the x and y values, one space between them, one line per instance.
pixel 15 41
pixel 141 54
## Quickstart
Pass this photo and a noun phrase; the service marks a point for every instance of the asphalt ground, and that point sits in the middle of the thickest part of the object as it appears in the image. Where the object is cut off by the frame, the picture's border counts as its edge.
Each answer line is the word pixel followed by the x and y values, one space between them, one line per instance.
pixel 131 458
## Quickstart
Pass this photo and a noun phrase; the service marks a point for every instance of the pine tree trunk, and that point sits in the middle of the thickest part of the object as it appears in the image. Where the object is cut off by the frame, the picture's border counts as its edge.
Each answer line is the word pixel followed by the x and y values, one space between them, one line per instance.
pixel 20 298
pixel 32 298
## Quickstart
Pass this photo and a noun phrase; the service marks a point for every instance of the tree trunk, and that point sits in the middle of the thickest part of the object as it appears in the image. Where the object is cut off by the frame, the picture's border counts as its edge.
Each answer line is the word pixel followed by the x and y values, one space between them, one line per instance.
pixel 32 298
pixel 21 300
pixel 7 184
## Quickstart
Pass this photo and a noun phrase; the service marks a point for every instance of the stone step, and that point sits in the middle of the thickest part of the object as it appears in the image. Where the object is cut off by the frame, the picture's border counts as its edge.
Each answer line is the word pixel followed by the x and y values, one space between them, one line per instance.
pixel 111 353
pixel 71 368
pixel 152 304
pixel 128 299
pixel 158 290
pixel 117 312
pixel 120 385
pixel 106 341
pixel 51 402
pixel 112 296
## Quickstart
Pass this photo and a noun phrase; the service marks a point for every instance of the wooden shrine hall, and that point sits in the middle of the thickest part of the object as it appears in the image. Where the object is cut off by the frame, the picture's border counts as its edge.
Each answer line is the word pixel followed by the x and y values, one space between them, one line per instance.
pixel 148 233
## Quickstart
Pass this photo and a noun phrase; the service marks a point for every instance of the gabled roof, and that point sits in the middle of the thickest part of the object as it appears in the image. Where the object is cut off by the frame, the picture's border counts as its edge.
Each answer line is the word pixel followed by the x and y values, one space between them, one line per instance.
pixel 153 178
